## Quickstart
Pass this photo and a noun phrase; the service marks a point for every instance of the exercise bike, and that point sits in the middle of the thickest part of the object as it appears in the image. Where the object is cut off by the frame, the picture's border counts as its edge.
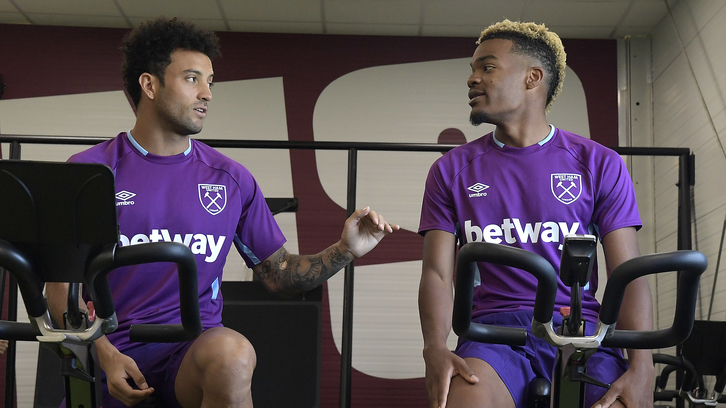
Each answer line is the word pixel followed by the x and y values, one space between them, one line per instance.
pixel 58 224
pixel 702 355
pixel 574 349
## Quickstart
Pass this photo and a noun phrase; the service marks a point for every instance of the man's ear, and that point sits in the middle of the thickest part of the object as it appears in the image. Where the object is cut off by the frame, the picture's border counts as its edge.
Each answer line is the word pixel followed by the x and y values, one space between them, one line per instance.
pixel 535 77
pixel 149 85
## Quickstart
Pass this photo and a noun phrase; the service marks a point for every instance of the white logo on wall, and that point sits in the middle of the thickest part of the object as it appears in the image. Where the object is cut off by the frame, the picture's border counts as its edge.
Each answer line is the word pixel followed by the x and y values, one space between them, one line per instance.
pixel 125 197
pixel 213 197
pixel 478 189
pixel 566 187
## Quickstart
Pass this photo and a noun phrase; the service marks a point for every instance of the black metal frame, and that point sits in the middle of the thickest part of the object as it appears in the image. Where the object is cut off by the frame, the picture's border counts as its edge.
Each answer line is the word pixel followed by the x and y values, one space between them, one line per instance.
pixel 686 178
pixel 575 349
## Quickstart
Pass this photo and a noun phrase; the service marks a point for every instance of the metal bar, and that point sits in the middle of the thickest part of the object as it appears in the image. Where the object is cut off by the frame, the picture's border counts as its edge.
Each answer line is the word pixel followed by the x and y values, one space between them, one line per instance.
pixel 684 234
pixel 684 201
pixel 63 140
pixel 247 144
pixel 686 173
pixel 15 150
pixel 651 151
pixel 3 281
pixel 10 354
pixel 287 144
pixel 346 349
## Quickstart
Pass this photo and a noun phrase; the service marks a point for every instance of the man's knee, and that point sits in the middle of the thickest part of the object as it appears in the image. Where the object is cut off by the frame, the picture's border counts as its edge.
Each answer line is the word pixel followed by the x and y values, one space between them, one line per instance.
pixel 490 391
pixel 217 368
pixel 224 351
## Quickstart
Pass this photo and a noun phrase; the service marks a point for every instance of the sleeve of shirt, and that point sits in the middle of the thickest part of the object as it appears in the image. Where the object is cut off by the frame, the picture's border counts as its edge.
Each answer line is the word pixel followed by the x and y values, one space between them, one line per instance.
pixel 615 204
pixel 437 210
pixel 257 236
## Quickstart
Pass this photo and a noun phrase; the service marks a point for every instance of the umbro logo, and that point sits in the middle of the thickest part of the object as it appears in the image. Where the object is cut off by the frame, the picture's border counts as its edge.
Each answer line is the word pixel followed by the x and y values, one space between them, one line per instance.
pixel 477 189
pixel 125 197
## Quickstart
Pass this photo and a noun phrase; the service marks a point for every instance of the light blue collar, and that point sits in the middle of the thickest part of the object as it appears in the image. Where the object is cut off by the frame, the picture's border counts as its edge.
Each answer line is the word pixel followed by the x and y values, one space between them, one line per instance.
pixel 541 142
pixel 145 152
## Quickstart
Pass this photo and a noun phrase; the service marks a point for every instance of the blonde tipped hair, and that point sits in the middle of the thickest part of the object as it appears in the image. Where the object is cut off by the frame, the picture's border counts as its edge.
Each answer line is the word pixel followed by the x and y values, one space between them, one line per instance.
pixel 536 41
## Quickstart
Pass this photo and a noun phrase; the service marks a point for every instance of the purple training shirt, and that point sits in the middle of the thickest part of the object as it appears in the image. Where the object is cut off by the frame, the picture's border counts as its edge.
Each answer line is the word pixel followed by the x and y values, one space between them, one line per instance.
pixel 200 198
pixel 528 198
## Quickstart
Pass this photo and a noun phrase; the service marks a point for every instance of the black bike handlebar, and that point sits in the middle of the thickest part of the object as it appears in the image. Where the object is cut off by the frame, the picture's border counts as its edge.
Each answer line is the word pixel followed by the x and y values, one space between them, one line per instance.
pixel 691 265
pixel 17 261
pixel 20 263
pixel 675 362
pixel 115 257
pixel 466 268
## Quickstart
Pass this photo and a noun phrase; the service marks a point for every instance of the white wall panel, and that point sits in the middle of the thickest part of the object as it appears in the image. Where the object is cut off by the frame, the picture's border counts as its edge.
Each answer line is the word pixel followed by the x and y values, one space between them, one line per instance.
pixel 709 82
pixel 692 16
pixel 710 172
pixel 95 114
pixel 689 111
pixel 387 339
pixel 636 129
pixel 664 41
pixel 684 20
pixel 666 200
pixel 676 101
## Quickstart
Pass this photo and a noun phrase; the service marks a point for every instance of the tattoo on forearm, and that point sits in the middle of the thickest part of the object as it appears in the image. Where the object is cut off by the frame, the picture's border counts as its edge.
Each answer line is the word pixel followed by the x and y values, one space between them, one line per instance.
pixel 266 269
pixel 308 277
pixel 292 273
pixel 338 260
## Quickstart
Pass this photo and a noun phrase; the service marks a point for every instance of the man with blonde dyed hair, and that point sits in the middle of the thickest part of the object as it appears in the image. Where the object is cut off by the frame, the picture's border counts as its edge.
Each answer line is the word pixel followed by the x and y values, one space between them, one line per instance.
pixel 527 185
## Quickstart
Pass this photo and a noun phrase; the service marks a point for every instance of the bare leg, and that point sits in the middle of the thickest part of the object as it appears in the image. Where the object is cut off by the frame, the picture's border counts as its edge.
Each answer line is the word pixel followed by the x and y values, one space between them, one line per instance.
pixel 489 392
pixel 217 371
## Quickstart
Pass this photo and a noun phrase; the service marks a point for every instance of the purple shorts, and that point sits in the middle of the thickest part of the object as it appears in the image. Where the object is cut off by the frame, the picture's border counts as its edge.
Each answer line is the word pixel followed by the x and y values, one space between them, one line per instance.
pixel 159 362
pixel 517 366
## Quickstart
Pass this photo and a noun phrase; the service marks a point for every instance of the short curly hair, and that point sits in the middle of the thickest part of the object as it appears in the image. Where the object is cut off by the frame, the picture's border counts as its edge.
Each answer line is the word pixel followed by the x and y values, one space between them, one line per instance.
pixel 536 41
pixel 148 48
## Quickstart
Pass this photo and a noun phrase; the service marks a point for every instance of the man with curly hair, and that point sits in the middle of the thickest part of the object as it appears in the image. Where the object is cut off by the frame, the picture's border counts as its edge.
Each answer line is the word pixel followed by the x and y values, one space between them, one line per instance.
pixel 527 184
pixel 178 189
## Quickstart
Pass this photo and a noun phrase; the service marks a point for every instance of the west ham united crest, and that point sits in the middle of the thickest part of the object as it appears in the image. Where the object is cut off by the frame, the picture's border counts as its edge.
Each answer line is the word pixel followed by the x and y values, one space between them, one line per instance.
pixel 566 187
pixel 213 197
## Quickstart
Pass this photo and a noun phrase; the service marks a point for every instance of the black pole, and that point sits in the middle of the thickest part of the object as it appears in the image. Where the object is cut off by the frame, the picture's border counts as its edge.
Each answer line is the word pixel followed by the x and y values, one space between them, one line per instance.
pixel 685 179
pixel 12 315
pixel 11 352
pixel 346 349
pixel 15 150
pixel 3 282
